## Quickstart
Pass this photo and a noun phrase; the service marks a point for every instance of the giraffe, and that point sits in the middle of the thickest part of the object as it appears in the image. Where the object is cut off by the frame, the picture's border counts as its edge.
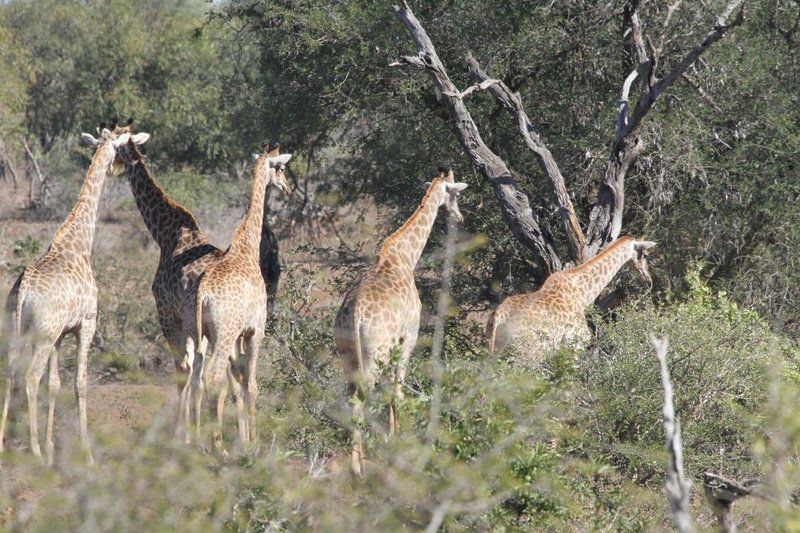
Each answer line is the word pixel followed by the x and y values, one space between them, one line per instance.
pixel 56 296
pixel 382 311
pixel 184 254
pixel 538 321
pixel 231 308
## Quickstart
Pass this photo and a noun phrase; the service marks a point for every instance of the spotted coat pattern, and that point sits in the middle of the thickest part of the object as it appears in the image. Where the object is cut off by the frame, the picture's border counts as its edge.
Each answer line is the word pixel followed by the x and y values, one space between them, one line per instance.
pixel 230 310
pixel 382 310
pixel 54 297
pixel 536 322
pixel 184 254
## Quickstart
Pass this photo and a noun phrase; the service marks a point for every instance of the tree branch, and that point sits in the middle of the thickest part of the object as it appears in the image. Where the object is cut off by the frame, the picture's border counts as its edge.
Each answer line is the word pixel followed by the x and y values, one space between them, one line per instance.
pixel 515 206
pixel 605 219
pixel 482 86
pixel 721 492
pixel 512 102
pixel 677 486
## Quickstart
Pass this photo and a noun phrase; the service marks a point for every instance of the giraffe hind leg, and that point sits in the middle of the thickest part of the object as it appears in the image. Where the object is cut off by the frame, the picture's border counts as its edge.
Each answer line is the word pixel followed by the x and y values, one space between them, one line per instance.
pixel 84 335
pixel 41 355
pixel 252 346
pixel 12 348
pixel 54 386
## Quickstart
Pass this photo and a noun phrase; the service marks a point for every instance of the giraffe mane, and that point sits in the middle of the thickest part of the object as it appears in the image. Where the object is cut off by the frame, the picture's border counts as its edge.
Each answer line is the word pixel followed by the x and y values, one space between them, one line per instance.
pixel 159 190
pixel 606 251
pixel 410 222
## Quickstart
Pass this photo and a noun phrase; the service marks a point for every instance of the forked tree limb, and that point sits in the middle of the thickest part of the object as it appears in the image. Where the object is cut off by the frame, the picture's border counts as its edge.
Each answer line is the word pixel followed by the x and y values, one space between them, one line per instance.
pixel 515 206
pixel 512 102
pixel 677 486
pixel 605 219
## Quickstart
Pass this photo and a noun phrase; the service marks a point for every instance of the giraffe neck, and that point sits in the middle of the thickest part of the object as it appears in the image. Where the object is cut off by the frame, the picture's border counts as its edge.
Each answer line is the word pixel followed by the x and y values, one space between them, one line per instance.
pixel 77 231
pixel 597 273
pixel 406 244
pixel 247 237
pixel 172 227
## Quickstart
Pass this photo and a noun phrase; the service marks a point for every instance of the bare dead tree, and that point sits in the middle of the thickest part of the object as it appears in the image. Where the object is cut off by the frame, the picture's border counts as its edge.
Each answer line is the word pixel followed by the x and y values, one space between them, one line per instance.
pixel 605 218
pixel 677 486
pixel 515 206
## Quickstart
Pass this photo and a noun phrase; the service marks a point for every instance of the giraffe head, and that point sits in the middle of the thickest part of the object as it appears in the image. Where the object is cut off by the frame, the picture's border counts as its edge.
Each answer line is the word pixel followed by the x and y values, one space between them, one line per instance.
pixel 271 161
pixel 638 251
pixel 128 152
pixel 115 138
pixel 450 192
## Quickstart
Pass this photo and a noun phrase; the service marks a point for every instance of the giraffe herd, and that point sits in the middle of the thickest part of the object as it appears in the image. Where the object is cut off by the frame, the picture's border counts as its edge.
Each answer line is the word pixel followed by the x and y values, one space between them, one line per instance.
pixel 212 304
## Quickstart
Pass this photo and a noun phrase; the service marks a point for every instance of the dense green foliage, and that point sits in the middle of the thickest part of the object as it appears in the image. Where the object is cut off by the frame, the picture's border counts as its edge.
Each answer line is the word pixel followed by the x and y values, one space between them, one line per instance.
pixel 574 444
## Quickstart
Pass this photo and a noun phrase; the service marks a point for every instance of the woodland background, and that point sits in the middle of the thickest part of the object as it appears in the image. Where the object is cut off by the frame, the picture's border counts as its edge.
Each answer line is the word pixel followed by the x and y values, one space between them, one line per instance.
pixel 575 444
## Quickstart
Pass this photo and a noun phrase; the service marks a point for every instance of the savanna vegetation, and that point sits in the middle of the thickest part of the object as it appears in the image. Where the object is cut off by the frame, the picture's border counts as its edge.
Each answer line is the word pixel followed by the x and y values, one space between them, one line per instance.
pixel 576 443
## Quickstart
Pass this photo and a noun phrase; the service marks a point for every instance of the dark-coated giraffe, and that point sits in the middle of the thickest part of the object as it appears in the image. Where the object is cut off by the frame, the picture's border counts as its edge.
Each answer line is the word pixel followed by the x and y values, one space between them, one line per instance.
pixel 382 311
pixel 56 296
pixel 536 322
pixel 184 254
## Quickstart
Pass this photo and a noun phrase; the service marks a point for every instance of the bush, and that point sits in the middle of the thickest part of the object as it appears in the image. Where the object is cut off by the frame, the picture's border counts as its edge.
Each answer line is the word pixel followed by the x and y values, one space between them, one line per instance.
pixel 719 357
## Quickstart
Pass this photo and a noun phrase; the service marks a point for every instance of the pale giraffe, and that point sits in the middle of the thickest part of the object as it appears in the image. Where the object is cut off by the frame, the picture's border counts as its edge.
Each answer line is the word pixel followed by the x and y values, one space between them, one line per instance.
pixel 55 296
pixel 382 311
pixel 185 253
pixel 536 322
pixel 231 307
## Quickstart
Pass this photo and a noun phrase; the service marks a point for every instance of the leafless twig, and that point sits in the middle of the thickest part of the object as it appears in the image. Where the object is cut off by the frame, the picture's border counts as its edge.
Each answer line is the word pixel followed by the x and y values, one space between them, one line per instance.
pixel 678 487
pixel 438 332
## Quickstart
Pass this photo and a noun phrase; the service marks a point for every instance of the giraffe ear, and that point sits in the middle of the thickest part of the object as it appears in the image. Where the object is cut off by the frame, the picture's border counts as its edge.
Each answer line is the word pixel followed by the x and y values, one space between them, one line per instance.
pixel 255 156
pixel 105 132
pixel 456 186
pixel 122 139
pixel 642 247
pixel 140 138
pixel 280 160
pixel 89 139
pixel 426 185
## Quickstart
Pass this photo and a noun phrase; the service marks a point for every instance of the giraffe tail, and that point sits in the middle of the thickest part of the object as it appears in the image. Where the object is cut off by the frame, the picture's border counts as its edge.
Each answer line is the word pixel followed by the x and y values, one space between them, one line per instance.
pixel 198 309
pixel 357 338
pixel 17 295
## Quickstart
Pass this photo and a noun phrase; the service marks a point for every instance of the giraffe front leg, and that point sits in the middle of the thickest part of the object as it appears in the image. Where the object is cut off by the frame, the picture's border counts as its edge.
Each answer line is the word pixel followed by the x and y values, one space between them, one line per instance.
pixel 85 335
pixel 184 369
pixel 252 346
pixel 41 354
pixel 54 386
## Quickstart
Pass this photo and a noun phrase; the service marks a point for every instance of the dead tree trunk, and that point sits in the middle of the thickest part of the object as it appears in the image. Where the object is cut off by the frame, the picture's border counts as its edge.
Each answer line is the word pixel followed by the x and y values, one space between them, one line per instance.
pixel 32 195
pixel 515 205
pixel 605 218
